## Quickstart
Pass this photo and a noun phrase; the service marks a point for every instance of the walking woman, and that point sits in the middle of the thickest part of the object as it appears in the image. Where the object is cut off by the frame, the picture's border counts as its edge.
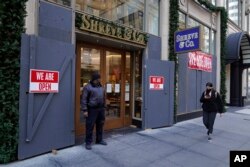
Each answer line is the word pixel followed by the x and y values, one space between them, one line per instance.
pixel 212 104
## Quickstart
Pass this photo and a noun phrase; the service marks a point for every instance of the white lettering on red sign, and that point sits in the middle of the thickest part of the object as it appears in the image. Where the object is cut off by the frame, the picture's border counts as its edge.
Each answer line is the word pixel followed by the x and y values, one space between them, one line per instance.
pixel 200 61
pixel 44 81
pixel 156 82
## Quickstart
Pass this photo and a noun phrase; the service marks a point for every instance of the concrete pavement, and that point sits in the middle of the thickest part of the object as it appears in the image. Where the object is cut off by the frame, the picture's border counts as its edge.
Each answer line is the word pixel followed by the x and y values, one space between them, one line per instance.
pixel 184 144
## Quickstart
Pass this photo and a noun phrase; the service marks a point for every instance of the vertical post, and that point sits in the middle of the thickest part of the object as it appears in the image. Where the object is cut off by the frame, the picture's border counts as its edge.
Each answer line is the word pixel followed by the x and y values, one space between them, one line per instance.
pixel 248 23
pixel 247 80
pixel 31 20
pixel 220 3
pixel 164 28
pixel 243 15
pixel 73 8
pixel 146 16
pixel 218 51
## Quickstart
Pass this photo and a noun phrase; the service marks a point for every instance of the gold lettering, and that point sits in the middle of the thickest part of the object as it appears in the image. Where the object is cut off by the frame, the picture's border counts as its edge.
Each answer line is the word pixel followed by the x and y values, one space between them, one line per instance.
pixel 119 32
pixel 128 34
pixel 134 34
pixel 113 30
pixel 85 23
pixel 101 27
pixel 94 25
pixel 107 29
pixel 141 39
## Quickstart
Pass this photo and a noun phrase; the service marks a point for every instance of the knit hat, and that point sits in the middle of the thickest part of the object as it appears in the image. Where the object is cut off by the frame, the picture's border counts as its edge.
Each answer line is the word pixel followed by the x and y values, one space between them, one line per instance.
pixel 95 76
pixel 209 84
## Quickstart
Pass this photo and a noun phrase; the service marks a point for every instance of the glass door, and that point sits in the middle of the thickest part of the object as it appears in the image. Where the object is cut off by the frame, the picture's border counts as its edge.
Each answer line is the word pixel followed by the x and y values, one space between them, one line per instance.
pixel 118 88
pixel 113 84
pixel 115 69
pixel 88 60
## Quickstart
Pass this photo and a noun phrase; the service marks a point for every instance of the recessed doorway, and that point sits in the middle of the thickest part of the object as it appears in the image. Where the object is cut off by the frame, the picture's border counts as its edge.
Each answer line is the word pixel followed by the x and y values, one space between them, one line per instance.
pixel 120 75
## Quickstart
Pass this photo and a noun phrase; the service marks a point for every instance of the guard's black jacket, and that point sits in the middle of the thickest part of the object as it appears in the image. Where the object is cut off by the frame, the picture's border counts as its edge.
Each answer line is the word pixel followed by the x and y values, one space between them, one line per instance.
pixel 93 96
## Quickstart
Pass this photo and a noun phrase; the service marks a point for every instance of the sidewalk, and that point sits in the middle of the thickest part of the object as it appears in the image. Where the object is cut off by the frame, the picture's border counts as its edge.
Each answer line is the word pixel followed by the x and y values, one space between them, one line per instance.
pixel 184 144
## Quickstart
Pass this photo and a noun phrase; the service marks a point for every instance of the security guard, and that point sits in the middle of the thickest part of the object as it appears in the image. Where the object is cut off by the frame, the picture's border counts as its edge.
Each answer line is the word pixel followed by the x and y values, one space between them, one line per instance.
pixel 93 108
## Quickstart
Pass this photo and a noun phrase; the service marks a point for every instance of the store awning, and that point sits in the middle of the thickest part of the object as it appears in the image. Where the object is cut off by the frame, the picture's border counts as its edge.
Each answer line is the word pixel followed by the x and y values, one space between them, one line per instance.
pixel 238 47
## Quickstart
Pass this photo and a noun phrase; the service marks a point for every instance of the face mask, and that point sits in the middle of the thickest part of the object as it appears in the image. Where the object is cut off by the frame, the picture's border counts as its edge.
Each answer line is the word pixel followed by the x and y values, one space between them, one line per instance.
pixel 209 88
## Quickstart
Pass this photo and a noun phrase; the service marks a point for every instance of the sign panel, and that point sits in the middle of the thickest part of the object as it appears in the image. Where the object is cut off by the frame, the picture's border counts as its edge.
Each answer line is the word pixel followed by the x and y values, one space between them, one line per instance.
pixel 187 40
pixel 200 61
pixel 43 81
pixel 101 26
pixel 156 82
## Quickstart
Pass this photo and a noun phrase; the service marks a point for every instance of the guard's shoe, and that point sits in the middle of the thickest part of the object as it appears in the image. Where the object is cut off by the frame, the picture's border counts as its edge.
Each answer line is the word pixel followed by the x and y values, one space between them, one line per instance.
pixel 209 138
pixel 88 147
pixel 102 143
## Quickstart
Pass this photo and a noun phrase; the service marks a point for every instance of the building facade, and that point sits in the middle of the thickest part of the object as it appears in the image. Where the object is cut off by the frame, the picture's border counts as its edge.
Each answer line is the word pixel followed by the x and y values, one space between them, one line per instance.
pixel 127 42
pixel 238 55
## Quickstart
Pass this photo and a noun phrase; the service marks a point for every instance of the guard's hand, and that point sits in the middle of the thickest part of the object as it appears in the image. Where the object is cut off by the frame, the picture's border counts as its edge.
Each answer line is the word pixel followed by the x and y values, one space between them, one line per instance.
pixel 85 113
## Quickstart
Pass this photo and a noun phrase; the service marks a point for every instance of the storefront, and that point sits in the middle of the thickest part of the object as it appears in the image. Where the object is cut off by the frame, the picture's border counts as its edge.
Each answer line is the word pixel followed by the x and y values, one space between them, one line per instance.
pixel 111 38
pixel 191 78
pixel 237 59
pixel 116 52
pixel 121 73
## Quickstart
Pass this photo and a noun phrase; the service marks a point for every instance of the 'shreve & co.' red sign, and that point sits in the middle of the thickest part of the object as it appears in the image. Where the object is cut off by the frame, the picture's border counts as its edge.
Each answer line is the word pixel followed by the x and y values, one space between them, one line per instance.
pixel 200 61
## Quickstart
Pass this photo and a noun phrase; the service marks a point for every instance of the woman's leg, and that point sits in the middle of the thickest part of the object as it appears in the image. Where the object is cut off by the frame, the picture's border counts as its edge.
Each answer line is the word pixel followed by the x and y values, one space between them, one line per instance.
pixel 212 116
pixel 205 119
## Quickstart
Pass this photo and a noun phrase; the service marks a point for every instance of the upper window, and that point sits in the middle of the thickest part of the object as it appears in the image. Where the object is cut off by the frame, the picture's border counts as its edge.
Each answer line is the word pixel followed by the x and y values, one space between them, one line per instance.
pixel 129 13
pixel 213 2
pixel 225 3
pixel 182 21
pixel 62 2
pixel 153 17
pixel 213 42
pixel 234 11
pixel 205 37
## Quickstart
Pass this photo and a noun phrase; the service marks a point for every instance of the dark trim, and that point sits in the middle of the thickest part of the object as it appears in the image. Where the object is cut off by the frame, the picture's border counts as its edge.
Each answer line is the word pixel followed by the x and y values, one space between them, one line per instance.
pixel 137 123
pixel 189 115
pixel 233 47
pixel 236 84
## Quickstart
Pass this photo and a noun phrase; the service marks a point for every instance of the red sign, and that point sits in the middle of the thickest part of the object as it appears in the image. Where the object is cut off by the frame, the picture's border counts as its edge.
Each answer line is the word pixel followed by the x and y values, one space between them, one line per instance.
pixel 44 81
pixel 200 61
pixel 156 82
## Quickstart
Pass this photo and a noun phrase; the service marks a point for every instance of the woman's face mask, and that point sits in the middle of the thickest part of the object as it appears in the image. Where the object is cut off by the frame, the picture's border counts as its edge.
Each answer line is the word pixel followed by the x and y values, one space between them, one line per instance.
pixel 209 88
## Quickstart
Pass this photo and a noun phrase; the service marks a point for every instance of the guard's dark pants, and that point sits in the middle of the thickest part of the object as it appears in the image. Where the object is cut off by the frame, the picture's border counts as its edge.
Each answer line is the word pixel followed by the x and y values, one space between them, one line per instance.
pixel 95 116
pixel 208 120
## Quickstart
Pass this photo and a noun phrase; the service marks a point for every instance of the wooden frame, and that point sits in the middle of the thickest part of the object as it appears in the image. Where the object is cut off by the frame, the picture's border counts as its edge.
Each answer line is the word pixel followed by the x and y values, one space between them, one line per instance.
pixel 110 123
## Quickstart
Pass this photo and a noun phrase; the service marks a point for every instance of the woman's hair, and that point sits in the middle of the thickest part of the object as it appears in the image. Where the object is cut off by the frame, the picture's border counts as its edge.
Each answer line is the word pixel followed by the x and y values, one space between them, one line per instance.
pixel 209 84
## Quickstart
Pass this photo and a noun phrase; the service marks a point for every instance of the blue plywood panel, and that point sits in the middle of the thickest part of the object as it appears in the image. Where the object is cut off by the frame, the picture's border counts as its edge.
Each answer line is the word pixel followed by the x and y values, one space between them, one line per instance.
pixel 199 90
pixel 24 87
pixel 214 78
pixel 55 22
pixel 191 84
pixel 154 47
pixel 191 90
pixel 46 120
pixel 182 84
pixel 159 104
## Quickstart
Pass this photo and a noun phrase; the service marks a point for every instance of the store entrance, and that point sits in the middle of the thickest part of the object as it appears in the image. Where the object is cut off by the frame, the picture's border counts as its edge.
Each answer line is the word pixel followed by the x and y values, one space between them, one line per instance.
pixel 115 68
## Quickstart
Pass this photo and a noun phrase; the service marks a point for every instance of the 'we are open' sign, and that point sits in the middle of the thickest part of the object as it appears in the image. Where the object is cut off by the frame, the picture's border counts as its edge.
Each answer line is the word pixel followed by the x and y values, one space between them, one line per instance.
pixel 43 81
